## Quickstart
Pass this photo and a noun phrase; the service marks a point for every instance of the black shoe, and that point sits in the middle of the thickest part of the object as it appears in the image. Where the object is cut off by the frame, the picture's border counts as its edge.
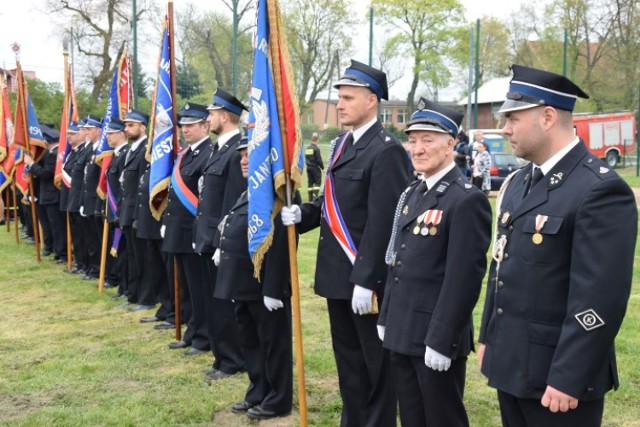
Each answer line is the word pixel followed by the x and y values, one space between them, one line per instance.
pixel 241 407
pixel 258 413
pixel 46 252
pixel 125 304
pixel 195 352
pixel 109 285
pixel 141 307
pixel 61 261
pixel 75 270
pixel 118 296
pixel 149 319
pixel 164 325
pixel 89 277
pixel 178 344
pixel 216 375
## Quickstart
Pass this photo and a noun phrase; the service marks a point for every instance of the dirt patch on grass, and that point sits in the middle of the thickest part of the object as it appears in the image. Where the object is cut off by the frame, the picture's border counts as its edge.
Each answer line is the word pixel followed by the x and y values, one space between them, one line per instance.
pixel 226 418
pixel 20 405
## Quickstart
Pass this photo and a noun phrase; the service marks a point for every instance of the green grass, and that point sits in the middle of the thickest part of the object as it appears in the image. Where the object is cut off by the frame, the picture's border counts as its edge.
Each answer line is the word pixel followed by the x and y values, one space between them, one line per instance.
pixel 71 357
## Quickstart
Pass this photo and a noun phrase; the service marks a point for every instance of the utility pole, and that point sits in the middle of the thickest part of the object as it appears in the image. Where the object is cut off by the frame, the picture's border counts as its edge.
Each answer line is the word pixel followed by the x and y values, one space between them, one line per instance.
pixel 234 49
pixel 134 66
pixel 477 75
pixel 371 36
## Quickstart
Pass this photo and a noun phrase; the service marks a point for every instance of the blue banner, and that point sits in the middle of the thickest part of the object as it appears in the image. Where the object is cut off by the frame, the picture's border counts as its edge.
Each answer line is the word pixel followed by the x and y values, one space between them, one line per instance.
pixel 112 105
pixel 161 147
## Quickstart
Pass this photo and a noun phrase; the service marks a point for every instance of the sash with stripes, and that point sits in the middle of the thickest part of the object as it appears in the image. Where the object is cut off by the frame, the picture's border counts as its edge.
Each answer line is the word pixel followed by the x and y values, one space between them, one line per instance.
pixel 113 203
pixel 185 195
pixel 331 210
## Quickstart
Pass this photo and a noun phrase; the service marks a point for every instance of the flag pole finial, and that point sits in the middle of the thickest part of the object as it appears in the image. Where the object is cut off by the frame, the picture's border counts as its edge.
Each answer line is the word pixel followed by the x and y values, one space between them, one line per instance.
pixel 15 47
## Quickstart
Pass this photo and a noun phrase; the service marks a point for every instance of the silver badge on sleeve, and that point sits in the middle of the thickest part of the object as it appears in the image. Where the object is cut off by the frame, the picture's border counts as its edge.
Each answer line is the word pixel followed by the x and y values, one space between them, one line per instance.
pixel 589 320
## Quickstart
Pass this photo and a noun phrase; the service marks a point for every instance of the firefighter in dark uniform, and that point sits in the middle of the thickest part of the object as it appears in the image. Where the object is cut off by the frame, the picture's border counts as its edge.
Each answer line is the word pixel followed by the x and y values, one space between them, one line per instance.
pixel 221 185
pixel 135 163
pixel 75 166
pixel 262 308
pixel 49 198
pixel 367 172
pixel 313 160
pixel 426 316
pixel 562 265
pixel 118 141
pixel 177 225
pixel 74 138
pixel 92 230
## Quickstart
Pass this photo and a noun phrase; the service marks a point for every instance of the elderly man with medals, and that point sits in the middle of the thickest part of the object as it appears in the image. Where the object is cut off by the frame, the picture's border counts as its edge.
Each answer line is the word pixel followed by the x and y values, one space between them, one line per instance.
pixel 437 259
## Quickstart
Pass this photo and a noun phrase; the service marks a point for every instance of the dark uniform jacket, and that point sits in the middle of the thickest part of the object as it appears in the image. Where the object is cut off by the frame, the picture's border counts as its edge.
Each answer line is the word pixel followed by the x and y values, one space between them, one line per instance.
pixel 177 219
pixel 44 170
pixel 435 280
pixel 313 157
pixel 147 226
pixel 134 166
pixel 113 178
pixel 554 308
pixel 77 166
pixel 369 178
pixel 90 200
pixel 235 274
pixel 222 184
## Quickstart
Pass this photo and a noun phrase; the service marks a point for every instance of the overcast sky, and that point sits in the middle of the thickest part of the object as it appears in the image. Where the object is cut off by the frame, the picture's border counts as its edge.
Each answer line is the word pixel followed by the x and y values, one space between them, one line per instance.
pixel 41 50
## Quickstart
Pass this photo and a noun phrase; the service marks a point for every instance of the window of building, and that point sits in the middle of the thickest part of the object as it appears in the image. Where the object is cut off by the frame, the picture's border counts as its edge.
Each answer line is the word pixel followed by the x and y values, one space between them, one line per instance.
pixel 385 116
pixel 401 116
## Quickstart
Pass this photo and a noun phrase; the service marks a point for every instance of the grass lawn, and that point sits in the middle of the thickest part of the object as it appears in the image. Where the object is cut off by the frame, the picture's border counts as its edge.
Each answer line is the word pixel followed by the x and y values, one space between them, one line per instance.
pixel 71 357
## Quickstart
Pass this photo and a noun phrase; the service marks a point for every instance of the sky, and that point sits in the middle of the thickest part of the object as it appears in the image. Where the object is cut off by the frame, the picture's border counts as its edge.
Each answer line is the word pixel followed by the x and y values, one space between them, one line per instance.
pixel 41 49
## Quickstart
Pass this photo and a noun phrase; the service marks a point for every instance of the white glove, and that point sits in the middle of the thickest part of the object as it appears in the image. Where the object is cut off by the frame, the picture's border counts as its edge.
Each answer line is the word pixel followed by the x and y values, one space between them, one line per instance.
pixel 162 230
pixel 361 300
pixel 272 304
pixel 82 211
pixel 436 361
pixel 193 246
pixel 381 330
pixel 291 215
pixel 216 257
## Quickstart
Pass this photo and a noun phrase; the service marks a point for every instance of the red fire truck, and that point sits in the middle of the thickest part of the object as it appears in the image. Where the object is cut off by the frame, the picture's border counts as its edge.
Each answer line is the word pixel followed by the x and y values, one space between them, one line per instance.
pixel 608 135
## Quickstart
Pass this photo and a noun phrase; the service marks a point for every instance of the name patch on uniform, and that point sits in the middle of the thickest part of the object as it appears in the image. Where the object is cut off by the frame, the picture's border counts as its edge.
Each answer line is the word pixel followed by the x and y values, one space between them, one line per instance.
pixel 589 320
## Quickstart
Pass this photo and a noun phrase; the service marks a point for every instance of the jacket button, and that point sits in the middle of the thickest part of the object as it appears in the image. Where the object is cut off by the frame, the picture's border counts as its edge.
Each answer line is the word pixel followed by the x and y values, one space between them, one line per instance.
pixel 402 246
pixel 506 256
pixel 399 263
pixel 321 238
pixel 395 279
pixel 511 228
pixel 500 284
pixel 499 312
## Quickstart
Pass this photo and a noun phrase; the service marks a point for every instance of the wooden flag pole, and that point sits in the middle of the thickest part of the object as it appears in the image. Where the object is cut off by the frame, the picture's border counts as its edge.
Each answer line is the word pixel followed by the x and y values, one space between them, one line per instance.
pixel 176 299
pixel 15 208
pixel 69 243
pixel 103 253
pixel 7 214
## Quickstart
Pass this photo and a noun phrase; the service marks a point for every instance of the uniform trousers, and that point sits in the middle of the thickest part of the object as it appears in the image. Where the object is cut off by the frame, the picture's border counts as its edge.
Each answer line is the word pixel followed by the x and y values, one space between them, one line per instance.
pixel 135 263
pixel 364 373
pixel 518 412
pixel 78 240
pixel 222 325
pixel 58 226
pixel 93 238
pixel 194 279
pixel 153 274
pixel 45 223
pixel 429 398
pixel 265 337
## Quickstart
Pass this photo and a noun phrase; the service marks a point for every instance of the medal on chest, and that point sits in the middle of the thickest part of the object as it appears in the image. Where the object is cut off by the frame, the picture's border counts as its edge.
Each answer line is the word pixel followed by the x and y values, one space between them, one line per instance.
pixel 427 223
pixel 541 220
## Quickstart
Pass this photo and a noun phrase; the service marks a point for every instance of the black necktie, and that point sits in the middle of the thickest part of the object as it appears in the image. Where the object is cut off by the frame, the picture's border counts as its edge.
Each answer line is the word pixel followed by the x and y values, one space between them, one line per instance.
pixel 422 188
pixel 537 176
pixel 216 147
pixel 348 144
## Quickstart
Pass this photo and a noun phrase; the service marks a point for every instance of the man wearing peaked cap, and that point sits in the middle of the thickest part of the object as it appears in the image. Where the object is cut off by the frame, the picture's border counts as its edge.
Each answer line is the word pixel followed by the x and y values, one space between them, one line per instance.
pixel 219 188
pixel 135 116
pixel 177 226
pixel 425 320
pixel 562 265
pixel 366 173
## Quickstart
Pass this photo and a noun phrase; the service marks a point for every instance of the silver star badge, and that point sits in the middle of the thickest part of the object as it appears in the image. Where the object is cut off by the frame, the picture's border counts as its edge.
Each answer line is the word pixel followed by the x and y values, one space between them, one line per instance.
pixel 603 170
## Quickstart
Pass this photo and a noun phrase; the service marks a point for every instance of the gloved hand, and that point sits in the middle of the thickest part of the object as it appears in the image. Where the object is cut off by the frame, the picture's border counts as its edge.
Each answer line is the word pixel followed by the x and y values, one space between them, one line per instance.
pixel 162 230
pixel 193 246
pixel 436 361
pixel 291 215
pixel 381 330
pixel 272 304
pixel 361 300
pixel 216 257
pixel 82 211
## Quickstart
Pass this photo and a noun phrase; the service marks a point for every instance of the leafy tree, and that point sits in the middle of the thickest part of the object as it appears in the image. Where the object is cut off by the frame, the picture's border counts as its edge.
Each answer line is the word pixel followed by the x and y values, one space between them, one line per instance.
pixel 188 82
pixel 317 31
pixel 427 31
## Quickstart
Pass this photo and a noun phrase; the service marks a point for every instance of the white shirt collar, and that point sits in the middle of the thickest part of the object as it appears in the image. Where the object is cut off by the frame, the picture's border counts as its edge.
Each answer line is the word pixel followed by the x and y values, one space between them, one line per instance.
pixel 225 137
pixel 435 178
pixel 195 145
pixel 135 145
pixel 119 148
pixel 553 160
pixel 357 133
pixel 96 145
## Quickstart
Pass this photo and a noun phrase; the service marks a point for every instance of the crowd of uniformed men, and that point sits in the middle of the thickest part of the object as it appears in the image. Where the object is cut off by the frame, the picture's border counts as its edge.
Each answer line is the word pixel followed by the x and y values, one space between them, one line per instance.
pixel 413 250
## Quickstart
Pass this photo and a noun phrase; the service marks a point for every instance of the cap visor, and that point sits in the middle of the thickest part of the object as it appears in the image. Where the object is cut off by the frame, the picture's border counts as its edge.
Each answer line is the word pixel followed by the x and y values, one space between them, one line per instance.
pixel 425 127
pixel 512 105
pixel 348 82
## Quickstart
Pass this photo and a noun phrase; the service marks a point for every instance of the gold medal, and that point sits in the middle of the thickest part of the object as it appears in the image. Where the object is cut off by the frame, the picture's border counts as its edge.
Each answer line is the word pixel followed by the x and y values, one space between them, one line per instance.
pixel 416 229
pixel 537 238
pixel 424 231
pixel 433 231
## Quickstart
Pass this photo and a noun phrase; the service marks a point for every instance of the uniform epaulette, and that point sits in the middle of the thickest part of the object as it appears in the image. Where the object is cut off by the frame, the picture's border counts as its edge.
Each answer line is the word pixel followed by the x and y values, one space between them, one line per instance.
pixel 464 184
pixel 598 167
pixel 388 138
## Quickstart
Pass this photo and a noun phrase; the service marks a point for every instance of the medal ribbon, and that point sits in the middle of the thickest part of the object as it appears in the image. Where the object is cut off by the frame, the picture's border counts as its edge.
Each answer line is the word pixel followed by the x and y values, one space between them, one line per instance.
pixel 433 217
pixel 541 220
pixel 185 195
pixel 331 210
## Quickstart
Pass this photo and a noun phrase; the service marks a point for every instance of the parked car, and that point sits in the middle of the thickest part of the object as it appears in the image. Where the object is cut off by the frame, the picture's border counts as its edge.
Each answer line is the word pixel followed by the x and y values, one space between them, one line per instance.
pixel 502 164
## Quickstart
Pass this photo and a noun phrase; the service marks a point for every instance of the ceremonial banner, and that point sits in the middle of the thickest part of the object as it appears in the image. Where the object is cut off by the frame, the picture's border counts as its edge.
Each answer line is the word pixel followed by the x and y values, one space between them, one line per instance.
pixel 273 130
pixel 117 106
pixel 28 134
pixel 7 161
pixel 69 115
pixel 161 152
